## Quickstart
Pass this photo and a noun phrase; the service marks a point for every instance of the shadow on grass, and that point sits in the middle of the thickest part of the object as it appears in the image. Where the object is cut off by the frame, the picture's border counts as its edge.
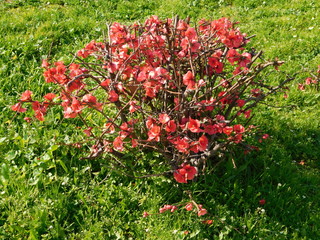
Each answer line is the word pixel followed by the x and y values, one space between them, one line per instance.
pixel 285 173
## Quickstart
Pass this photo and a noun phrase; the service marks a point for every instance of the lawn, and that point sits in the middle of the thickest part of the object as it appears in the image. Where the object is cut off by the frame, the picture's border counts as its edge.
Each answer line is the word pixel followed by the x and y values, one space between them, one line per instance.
pixel 48 192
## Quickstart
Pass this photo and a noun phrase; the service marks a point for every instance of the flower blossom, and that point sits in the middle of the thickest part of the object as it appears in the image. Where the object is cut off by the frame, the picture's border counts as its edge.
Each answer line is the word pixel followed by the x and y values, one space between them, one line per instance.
pixel 186 172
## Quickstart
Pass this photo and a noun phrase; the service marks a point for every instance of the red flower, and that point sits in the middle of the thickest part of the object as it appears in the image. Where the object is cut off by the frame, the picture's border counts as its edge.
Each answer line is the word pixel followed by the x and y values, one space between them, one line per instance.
pixel 118 144
pixel 247 113
pixel 74 85
pixel 187 44
pixel 232 38
pixel 262 202
pixel 240 102
pixel 182 144
pixel 150 123
pixel 179 177
pixel 233 56
pixel 301 87
pixel 83 53
pixel 189 206
pixel 88 131
pixel 188 80
pixel 76 105
pixel 152 88
pixel 224 83
pixel 308 80
pixel 203 143
pixel 45 63
pixel 142 76
pixel 71 110
pixel 90 48
pixel 209 221
pixel 26 96
pixel 113 96
pixel 191 33
pixel 245 59
pixel 236 139
pixel 49 96
pixel 185 173
pixel 194 146
pixel 167 208
pixel 164 118
pixel 182 25
pixel 133 106
pixel 39 115
pixel 173 208
pixel 124 126
pixel 227 130
pixel 264 136
pixel 256 92
pixel 109 128
pixel 69 113
pixel 27 119
pixel 195 45
pixel 105 83
pixel 89 98
pixel 202 212
pixel 119 87
pixel 39 110
pixel 215 64
pixel 193 125
pixel 18 107
pixel 145 214
pixel 238 128
pixel 171 126
pixel 213 129
pixel 92 101
pixel 208 104
pixel 134 142
pixel 154 133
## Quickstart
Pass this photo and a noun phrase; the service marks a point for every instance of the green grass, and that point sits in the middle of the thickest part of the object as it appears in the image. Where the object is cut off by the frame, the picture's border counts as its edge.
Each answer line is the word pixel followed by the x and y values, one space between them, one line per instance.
pixel 47 192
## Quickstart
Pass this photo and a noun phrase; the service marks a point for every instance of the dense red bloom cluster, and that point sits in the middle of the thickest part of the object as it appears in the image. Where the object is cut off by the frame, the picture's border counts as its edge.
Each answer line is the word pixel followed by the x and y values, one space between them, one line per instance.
pixel 164 85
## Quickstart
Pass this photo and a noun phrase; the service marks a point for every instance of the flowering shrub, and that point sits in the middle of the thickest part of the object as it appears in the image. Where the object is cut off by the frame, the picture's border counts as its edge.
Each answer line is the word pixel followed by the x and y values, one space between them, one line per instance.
pixel 182 91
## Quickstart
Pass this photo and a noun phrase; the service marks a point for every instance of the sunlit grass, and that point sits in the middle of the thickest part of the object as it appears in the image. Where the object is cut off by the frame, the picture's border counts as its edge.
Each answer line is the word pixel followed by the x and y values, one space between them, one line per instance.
pixel 47 192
